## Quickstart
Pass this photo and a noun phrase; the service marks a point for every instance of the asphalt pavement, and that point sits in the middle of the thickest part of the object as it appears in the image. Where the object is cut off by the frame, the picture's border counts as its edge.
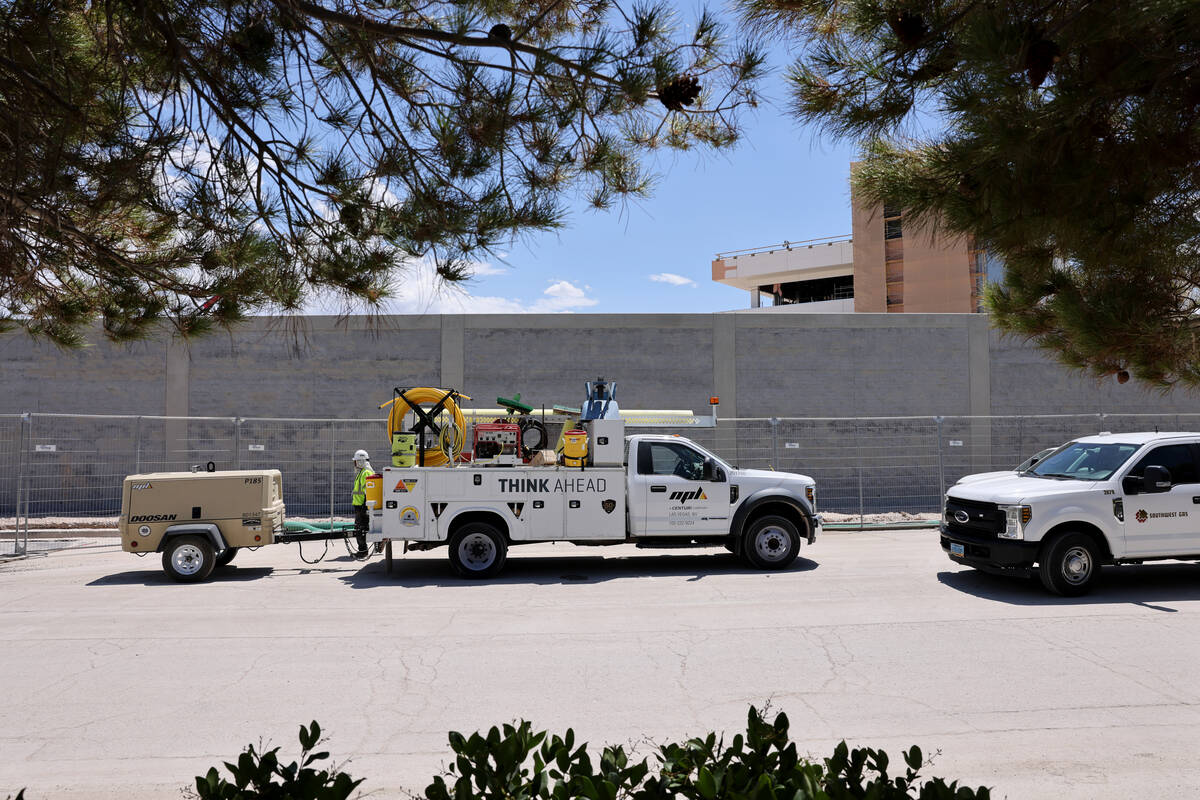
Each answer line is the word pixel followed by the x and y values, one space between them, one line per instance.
pixel 118 683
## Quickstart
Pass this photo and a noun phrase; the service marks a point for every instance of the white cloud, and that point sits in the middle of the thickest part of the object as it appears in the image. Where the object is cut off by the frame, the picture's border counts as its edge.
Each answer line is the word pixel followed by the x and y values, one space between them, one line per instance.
pixel 421 291
pixel 673 279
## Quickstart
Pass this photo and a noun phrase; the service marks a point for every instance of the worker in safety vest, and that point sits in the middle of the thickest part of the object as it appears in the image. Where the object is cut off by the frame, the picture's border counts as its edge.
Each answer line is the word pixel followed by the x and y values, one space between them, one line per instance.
pixel 358 498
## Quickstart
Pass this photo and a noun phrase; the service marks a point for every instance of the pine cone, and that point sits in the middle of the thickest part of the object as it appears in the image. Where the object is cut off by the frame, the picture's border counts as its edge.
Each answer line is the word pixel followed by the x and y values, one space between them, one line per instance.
pixel 1041 56
pixel 910 28
pixel 680 92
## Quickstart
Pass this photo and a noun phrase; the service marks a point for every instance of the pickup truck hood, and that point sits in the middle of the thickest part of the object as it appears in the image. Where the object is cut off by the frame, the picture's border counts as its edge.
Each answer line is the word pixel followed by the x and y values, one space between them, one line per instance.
pixel 767 478
pixel 986 476
pixel 1017 489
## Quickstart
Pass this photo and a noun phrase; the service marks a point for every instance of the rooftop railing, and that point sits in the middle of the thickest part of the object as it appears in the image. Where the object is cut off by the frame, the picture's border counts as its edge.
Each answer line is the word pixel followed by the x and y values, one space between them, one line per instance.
pixel 808 244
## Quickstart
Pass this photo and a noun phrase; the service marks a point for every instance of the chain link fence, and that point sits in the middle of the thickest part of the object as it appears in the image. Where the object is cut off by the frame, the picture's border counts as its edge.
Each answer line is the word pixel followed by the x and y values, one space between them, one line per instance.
pixel 61 475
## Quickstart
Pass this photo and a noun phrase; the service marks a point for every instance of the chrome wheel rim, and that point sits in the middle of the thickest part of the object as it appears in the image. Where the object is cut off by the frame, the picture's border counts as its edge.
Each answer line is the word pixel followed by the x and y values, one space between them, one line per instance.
pixel 1076 565
pixel 772 543
pixel 477 551
pixel 187 559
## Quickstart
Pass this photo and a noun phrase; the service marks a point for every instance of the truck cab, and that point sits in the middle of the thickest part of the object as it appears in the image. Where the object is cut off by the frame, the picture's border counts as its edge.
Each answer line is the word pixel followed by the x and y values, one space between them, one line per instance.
pixel 1097 500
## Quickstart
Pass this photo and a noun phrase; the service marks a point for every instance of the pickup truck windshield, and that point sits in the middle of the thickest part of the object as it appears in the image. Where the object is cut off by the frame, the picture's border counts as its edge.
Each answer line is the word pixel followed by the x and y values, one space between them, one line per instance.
pixel 1086 462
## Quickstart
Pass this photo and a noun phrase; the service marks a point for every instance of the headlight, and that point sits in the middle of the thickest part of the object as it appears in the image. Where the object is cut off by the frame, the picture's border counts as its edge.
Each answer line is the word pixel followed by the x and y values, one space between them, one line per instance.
pixel 1015 520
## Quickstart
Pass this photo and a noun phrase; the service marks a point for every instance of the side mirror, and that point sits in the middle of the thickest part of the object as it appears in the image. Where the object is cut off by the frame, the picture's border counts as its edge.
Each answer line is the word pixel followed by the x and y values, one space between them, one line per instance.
pixel 1156 479
pixel 712 472
pixel 1131 484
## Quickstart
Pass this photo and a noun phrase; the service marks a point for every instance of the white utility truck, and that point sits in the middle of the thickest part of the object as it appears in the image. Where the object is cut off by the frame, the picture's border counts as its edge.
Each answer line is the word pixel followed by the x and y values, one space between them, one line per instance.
pixel 649 490
pixel 1106 499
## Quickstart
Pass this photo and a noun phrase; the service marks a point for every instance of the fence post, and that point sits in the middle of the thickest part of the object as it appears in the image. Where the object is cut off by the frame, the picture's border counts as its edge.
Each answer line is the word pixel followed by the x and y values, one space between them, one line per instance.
pixel 332 456
pixel 20 547
pixel 941 463
pixel 237 442
pixel 137 446
pixel 775 443
pixel 858 458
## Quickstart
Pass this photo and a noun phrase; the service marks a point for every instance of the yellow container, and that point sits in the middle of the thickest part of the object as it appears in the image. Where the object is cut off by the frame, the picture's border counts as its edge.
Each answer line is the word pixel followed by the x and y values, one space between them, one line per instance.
pixel 574 447
pixel 374 490
pixel 404 449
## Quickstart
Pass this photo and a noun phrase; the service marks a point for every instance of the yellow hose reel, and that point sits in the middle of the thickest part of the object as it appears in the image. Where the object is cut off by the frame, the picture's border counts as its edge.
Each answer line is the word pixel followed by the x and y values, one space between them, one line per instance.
pixel 404 403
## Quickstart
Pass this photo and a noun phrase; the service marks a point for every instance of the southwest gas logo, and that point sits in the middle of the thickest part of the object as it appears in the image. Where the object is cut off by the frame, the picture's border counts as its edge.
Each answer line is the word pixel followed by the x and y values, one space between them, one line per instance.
pixel 694 494
pixel 1142 516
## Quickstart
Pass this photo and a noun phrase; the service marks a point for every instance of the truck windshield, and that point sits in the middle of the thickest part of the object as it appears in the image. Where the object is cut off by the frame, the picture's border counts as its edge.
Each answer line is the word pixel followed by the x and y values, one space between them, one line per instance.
pixel 1084 461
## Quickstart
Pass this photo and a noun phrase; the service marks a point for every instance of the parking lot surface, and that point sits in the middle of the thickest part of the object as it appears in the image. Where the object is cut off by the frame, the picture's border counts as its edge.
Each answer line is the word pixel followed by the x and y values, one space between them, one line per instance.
pixel 119 683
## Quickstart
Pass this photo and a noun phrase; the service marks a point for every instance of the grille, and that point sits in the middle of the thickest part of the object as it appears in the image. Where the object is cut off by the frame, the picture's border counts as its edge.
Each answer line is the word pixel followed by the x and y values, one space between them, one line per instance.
pixel 984 518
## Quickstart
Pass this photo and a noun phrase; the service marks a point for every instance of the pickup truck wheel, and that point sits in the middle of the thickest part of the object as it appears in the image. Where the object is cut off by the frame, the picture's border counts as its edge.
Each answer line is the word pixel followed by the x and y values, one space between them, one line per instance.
pixel 477 550
pixel 1070 565
pixel 771 542
pixel 188 559
pixel 225 556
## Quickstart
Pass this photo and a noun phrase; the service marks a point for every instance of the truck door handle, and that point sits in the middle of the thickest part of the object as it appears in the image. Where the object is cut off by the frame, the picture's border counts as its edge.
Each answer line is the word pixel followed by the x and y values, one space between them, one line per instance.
pixel 1196 500
pixel 658 488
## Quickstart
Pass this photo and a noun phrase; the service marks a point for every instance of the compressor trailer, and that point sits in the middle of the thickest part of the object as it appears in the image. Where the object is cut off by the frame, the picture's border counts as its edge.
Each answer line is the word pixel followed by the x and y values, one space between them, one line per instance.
pixel 648 490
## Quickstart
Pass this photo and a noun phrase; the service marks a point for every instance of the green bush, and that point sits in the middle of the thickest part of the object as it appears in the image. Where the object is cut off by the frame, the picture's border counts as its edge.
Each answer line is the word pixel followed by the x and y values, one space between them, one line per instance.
pixel 513 762
pixel 258 776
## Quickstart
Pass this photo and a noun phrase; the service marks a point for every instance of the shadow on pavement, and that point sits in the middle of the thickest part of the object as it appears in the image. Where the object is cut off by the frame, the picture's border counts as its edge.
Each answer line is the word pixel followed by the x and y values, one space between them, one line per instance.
pixel 546 570
pixel 156 577
pixel 1142 585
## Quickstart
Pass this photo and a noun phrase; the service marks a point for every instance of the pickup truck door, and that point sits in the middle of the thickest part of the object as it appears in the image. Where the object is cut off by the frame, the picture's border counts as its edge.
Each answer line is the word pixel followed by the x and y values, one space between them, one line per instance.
pixel 1165 523
pixel 669 490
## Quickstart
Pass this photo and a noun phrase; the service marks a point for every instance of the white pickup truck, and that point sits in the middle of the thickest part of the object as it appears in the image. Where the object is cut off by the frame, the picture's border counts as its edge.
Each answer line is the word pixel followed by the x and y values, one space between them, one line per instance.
pixel 1106 499
pixel 669 492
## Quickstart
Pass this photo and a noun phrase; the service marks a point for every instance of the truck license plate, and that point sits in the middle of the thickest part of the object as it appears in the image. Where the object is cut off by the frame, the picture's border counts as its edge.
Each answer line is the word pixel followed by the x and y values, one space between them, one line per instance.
pixel 956 549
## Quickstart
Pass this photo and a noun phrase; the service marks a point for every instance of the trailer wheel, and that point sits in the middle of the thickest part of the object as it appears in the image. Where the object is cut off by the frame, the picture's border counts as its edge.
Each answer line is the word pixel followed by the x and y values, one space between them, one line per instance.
pixel 188 559
pixel 477 550
pixel 225 556
pixel 771 542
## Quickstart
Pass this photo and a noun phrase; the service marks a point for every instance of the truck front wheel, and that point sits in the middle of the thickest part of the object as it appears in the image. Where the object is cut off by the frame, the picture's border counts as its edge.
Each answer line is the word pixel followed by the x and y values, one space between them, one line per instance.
pixel 771 542
pixel 477 550
pixel 1070 565
pixel 188 559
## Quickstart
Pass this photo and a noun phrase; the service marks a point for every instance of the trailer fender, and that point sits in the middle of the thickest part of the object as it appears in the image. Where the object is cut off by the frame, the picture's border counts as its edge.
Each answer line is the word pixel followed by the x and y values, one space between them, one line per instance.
pixel 794 506
pixel 206 529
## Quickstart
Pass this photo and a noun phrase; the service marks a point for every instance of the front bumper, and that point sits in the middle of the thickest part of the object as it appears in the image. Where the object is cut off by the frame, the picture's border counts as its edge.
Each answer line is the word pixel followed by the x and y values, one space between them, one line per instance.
pixel 814 529
pixel 986 552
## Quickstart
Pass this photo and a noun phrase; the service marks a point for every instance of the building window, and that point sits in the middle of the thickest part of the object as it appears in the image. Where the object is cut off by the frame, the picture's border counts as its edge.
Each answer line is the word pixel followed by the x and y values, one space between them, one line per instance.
pixel 818 290
pixel 891 222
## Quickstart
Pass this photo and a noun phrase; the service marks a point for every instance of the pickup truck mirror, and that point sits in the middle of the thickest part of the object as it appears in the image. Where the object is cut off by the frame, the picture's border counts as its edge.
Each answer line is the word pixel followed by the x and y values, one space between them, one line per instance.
pixel 1155 479
pixel 712 472
pixel 1131 484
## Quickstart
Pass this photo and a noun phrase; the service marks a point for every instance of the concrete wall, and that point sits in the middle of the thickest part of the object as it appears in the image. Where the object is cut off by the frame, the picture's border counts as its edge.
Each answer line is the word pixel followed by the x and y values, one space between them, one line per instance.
pixel 828 365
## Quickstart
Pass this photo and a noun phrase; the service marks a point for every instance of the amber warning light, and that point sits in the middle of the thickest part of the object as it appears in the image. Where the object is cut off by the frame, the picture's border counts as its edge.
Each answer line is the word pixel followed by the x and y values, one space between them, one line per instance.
pixel 712 401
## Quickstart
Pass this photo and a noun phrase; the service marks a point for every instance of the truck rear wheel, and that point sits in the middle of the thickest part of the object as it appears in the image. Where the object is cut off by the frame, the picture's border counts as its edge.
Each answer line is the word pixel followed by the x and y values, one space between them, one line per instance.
pixel 771 542
pixel 188 559
pixel 477 550
pixel 1070 565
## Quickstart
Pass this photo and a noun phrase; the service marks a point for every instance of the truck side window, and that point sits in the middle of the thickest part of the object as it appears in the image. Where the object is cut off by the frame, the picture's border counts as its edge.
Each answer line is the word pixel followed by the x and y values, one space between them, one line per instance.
pixel 668 458
pixel 1177 458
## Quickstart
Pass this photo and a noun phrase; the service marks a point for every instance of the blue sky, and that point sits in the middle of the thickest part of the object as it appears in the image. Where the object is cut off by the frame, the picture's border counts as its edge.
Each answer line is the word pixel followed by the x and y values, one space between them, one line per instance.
pixel 783 181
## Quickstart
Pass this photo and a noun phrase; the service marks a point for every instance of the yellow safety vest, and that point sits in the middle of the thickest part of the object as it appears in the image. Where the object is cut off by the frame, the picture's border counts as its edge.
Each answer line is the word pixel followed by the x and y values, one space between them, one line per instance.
pixel 359 495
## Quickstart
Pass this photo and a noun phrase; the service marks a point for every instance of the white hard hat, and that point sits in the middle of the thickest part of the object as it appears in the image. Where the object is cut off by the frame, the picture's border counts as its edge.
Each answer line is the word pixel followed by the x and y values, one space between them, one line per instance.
pixel 361 455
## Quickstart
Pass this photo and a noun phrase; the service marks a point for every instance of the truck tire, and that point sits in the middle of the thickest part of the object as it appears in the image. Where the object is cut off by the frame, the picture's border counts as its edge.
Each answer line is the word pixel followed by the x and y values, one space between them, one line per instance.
pixel 188 559
pixel 225 556
pixel 1070 565
pixel 477 550
pixel 771 542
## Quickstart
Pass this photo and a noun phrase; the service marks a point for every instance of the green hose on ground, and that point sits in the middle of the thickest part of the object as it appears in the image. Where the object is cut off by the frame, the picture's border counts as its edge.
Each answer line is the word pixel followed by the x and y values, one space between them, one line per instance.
pixel 297 526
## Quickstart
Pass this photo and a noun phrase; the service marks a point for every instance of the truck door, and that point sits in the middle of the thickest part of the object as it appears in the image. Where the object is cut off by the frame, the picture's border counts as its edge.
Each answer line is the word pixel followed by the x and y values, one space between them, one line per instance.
pixel 1165 523
pixel 674 495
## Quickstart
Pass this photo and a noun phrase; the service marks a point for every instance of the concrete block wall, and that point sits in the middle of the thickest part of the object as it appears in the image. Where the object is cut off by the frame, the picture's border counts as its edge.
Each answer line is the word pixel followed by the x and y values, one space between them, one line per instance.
pixel 761 365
